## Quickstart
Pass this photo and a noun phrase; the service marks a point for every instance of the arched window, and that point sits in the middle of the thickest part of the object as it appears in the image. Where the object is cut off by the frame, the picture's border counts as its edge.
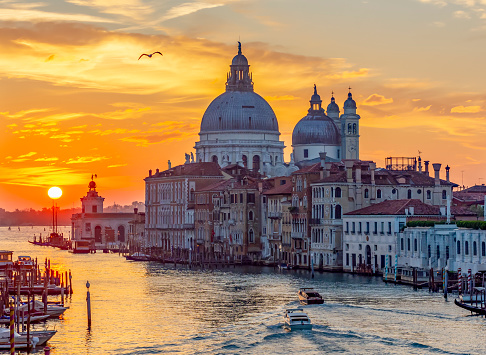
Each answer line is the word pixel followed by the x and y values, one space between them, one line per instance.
pixel 354 129
pixel 251 237
pixel 466 248
pixel 415 245
pixel 409 194
pixel 250 216
pixel 444 194
pixel 429 195
pixel 256 163
pixel 214 159
pixel 429 251
pixel 349 128
pixel 458 247
pixel 378 193
pixel 438 252
pixel 366 193
pixel 483 249
pixel 401 244
pixel 245 160
pixel 338 212
pixel 475 248
pixel 338 192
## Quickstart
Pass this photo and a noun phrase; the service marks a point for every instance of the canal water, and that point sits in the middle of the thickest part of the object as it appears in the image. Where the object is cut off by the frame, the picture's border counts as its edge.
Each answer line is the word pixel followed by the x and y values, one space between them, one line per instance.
pixel 149 308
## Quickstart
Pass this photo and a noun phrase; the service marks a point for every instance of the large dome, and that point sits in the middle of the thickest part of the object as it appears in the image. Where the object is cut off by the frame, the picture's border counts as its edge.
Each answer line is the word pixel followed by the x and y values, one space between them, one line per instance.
pixel 316 129
pixel 239 111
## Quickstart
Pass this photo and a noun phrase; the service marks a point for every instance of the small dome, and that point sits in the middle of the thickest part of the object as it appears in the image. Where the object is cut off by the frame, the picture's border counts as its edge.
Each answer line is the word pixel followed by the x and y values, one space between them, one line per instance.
pixel 239 59
pixel 332 107
pixel 350 103
pixel 92 185
pixel 316 129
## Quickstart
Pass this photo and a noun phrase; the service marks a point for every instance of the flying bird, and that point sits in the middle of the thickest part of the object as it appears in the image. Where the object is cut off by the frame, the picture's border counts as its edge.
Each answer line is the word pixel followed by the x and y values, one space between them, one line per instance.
pixel 149 55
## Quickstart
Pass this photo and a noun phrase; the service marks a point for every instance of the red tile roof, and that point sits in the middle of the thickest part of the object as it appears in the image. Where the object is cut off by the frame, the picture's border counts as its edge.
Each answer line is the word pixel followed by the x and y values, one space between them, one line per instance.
pixel 191 169
pixel 397 207
pixel 285 189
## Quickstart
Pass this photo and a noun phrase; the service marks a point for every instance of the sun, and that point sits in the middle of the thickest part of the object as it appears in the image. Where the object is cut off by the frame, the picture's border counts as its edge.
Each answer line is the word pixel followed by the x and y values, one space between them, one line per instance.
pixel 54 192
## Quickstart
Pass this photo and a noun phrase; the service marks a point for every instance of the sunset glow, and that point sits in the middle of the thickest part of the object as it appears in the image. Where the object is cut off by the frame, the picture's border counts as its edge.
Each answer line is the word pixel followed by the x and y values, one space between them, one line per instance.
pixel 76 99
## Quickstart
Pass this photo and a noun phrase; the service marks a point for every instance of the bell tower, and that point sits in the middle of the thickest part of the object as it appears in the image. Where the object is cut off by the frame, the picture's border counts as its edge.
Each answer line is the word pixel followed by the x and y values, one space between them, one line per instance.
pixel 350 129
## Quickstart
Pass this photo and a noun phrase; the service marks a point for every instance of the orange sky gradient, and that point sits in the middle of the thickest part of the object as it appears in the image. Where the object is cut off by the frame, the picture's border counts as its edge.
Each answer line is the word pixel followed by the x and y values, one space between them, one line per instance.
pixel 75 100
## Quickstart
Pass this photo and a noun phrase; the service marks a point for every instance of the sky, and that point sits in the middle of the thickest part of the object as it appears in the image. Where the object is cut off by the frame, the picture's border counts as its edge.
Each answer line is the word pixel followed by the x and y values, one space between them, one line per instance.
pixel 76 101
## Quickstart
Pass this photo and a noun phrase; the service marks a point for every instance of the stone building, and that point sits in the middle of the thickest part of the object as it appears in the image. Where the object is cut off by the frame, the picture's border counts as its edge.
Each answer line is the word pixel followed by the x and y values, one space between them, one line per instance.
pixel 103 230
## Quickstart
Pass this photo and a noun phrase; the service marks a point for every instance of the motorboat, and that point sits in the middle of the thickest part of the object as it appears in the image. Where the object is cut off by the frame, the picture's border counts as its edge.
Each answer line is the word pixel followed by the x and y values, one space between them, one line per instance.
pixel 284 266
pixel 33 318
pixel 53 310
pixel 25 261
pixel 138 256
pixel 43 335
pixel 296 318
pixel 307 295
pixel 20 340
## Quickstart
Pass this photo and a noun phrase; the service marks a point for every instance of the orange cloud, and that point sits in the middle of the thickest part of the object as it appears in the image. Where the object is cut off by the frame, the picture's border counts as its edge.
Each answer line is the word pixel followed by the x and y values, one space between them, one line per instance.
pixel 376 99
pixel 466 109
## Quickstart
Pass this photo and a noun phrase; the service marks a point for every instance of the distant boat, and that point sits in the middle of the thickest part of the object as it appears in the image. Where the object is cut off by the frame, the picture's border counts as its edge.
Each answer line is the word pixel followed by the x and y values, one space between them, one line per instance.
pixel 138 257
pixel 307 295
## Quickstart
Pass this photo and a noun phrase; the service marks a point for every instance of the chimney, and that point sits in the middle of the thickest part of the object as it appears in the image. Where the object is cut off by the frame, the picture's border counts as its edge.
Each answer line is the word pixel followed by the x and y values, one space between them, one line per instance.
pixel 436 167
pixel 150 172
pixel 420 164
pixel 322 155
pixel 168 163
pixel 426 163
pixel 157 170
pixel 448 209
pixel 372 168
pixel 135 210
pixel 349 170
pixel 411 209
pixel 447 173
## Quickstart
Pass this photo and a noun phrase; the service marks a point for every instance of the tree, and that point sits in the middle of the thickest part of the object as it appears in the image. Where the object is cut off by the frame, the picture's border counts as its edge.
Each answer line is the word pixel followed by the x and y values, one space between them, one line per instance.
pixel 478 210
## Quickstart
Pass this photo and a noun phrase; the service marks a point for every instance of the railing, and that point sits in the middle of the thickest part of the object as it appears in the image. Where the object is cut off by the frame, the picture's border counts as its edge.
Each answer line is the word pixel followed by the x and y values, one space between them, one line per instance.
pixel 297 235
pixel 274 214
pixel 188 225
pixel 315 221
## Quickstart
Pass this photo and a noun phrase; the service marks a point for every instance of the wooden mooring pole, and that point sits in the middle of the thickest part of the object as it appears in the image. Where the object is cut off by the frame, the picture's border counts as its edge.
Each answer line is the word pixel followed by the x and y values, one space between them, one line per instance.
pixel 88 303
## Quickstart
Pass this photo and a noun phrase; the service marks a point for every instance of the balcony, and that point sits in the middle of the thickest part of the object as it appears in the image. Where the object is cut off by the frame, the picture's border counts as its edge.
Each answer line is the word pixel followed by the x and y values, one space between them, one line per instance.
pixel 315 221
pixel 274 236
pixel 275 215
pixel 188 225
pixel 297 235
pixel 200 241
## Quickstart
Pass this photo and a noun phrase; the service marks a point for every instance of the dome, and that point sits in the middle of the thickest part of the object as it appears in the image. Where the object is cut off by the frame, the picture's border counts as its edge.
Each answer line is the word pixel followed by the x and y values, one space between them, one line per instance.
pixel 316 129
pixel 332 107
pixel 350 103
pixel 239 111
pixel 239 59
pixel 92 184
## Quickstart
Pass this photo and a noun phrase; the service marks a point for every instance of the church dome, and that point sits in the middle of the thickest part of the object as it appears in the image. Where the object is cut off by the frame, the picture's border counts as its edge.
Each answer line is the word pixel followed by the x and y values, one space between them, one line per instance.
pixel 332 107
pixel 350 103
pixel 239 111
pixel 239 59
pixel 316 127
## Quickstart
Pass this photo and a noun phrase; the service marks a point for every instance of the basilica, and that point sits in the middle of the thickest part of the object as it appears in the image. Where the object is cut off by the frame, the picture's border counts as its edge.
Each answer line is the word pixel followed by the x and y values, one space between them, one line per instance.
pixel 240 127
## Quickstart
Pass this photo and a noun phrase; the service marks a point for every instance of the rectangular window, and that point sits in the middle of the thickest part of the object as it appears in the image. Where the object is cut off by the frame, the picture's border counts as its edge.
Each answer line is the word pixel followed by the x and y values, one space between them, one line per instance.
pixel 359 227
pixel 375 231
pixel 389 227
pixel 251 198
pixel 347 259
pixel 94 209
pixel 353 228
pixel 306 153
pixel 241 198
pixel 232 198
pixel 347 227
pixel 367 228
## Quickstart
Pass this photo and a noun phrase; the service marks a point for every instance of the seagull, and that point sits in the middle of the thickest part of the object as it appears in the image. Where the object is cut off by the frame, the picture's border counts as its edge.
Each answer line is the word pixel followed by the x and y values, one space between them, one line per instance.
pixel 149 55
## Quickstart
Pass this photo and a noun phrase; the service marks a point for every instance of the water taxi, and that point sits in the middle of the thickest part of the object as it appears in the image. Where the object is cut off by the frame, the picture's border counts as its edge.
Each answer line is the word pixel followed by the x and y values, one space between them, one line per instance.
pixel 296 318
pixel 307 295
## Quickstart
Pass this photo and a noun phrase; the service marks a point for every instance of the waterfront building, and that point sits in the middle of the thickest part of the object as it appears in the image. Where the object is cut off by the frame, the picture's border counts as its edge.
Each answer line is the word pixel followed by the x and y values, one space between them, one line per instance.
pixel 169 205
pixel 103 230
pixel 276 237
pixel 370 234
pixel 301 212
pixel 136 232
pixel 353 184
pixel 443 245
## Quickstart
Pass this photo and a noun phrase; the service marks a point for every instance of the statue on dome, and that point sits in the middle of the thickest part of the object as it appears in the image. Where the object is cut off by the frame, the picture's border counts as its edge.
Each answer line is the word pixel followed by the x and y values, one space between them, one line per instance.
pixel 192 157
pixel 187 156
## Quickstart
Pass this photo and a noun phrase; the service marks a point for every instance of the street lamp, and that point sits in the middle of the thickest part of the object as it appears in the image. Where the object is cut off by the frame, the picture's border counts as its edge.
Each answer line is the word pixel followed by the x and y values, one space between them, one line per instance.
pixel 54 193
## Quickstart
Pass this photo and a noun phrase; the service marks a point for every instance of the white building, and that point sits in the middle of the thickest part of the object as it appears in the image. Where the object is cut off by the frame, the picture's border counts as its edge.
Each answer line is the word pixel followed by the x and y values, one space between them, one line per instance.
pixel 443 245
pixel 370 234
